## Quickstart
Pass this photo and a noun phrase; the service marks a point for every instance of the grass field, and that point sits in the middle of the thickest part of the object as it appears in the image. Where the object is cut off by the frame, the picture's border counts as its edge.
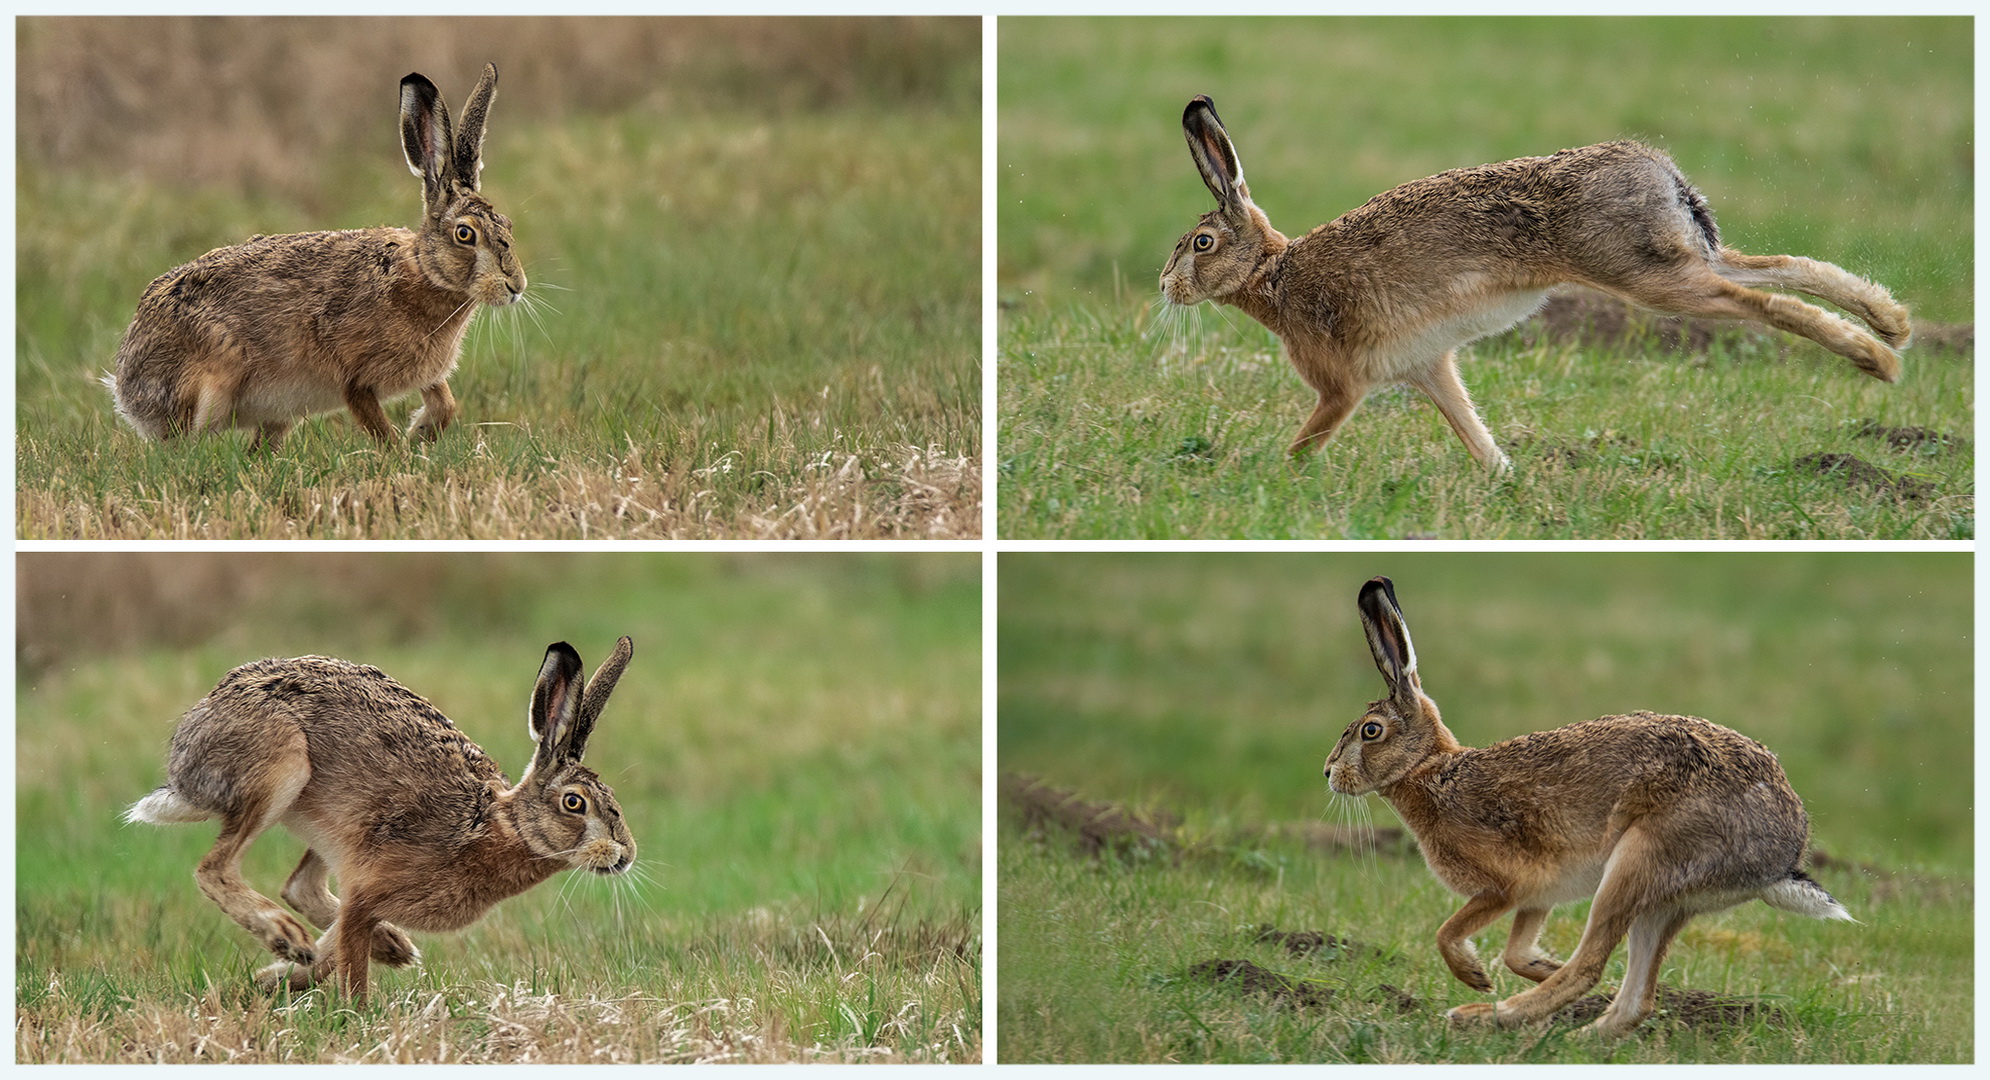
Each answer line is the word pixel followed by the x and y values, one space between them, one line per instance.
pixel 1199 694
pixel 749 317
pixel 1118 421
pixel 796 748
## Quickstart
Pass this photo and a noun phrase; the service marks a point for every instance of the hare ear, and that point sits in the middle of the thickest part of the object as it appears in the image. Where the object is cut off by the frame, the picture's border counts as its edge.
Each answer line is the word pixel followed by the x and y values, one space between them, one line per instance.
pixel 555 704
pixel 1214 155
pixel 469 153
pixel 425 135
pixel 598 689
pixel 1388 636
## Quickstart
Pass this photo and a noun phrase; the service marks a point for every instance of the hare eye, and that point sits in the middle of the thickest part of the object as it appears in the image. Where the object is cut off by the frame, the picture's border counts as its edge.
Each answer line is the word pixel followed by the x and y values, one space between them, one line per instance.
pixel 466 235
pixel 1203 242
pixel 574 802
pixel 1371 730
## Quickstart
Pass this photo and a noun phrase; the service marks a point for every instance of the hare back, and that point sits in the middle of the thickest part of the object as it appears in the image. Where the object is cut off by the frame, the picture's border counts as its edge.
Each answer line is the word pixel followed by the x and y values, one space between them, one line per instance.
pixel 381 760
pixel 280 325
pixel 1596 213
pixel 1548 807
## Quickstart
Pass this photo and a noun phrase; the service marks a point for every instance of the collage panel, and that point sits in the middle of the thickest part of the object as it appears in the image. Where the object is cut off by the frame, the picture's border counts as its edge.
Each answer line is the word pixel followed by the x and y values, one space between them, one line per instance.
pixel 731 266
pixel 770 852
pixel 1488 278
pixel 1178 881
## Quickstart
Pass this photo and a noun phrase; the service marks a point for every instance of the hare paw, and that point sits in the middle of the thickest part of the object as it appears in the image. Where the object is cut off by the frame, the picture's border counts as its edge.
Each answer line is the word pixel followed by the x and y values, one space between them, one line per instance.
pixel 1538 969
pixel 284 975
pixel 286 937
pixel 392 947
pixel 1473 1012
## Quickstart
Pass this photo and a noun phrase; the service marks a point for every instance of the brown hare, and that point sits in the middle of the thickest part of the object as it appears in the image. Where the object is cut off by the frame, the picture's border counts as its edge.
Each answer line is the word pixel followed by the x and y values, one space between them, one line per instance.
pixel 422 830
pixel 1660 818
pixel 265 333
pixel 1388 291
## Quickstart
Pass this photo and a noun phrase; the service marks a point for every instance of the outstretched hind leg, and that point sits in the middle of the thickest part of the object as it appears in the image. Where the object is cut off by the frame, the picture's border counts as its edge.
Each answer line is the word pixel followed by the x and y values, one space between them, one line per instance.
pixel 1868 300
pixel 1651 935
pixel 1705 293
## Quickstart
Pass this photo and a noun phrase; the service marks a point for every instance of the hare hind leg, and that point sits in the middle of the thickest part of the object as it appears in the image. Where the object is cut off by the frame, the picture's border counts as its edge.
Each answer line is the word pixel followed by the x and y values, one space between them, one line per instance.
pixel 220 872
pixel 1868 300
pixel 1703 291
pixel 1630 880
pixel 1651 935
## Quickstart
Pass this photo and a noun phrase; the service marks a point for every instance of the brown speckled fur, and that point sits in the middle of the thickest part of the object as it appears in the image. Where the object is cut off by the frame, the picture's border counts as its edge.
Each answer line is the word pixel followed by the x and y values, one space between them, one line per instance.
pixel 1659 817
pixel 1388 291
pixel 421 827
pixel 264 333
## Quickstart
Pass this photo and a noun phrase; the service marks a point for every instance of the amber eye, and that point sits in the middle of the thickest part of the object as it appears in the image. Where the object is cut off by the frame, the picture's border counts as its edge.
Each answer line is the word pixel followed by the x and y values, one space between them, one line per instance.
pixel 574 803
pixel 465 234
pixel 1371 730
pixel 1204 241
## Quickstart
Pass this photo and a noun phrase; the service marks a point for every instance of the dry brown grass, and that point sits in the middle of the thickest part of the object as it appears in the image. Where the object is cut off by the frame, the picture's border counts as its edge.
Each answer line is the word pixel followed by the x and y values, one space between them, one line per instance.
pixel 897 493
pixel 253 103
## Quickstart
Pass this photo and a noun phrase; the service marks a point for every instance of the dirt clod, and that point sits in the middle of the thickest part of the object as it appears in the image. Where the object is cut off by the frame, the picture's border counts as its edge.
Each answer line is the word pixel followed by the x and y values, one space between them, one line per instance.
pixel 1910 439
pixel 1695 1009
pixel 1861 473
pixel 1098 825
pixel 1252 979
pixel 1303 942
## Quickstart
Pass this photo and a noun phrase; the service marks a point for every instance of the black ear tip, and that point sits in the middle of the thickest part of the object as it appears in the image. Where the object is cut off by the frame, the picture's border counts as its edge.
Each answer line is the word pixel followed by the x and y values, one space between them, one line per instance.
pixel 564 651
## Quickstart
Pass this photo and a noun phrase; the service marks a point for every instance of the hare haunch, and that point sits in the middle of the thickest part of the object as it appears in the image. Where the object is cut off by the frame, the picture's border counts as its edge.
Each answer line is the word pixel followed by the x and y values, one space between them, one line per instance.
pixel 422 830
pixel 1388 291
pixel 1660 818
pixel 265 333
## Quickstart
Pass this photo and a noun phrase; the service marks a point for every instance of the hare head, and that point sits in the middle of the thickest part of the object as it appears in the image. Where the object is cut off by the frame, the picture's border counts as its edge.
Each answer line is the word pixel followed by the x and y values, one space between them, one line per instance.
pixel 1223 251
pixel 1400 731
pixel 561 808
pixel 464 243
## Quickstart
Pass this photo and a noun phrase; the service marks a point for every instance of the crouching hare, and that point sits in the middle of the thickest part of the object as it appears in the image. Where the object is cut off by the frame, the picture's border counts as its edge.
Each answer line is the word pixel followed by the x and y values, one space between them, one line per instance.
pixel 422 829
pixel 1388 291
pixel 1660 818
pixel 265 333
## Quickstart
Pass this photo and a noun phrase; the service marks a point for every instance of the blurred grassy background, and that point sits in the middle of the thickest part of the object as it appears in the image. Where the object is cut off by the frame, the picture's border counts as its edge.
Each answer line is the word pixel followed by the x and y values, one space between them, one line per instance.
pixel 754 243
pixel 796 747
pixel 1844 139
pixel 1212 687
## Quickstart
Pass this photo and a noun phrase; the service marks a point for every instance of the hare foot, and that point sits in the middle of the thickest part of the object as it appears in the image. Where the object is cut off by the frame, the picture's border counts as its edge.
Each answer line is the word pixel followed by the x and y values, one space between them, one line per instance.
pixel 392 947
pixel 1473 1012
pixel 283 935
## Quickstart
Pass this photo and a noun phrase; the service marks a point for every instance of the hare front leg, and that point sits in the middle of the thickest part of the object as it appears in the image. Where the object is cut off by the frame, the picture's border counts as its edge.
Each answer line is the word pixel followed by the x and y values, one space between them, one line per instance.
pixel 1523 954
pixel 438 408
pixel 307 892
pixel 1337 403
pixel 1454 938
pixel 366 410
pixel 1439 381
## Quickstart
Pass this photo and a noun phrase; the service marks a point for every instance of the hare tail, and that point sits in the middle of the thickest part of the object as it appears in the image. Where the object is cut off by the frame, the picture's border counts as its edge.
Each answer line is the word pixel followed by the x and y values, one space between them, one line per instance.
pixel 164 807
pixel 1800 894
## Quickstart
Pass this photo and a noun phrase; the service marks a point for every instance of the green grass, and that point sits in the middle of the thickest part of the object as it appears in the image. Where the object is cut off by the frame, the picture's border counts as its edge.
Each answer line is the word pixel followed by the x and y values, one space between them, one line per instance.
pixel 796 748
pixel 1212 687
pixel 744 324
pixel 1779 122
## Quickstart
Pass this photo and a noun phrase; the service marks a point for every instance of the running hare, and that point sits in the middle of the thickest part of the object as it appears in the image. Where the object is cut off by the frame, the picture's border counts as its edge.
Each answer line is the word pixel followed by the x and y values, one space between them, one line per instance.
pixel 1661 818
pixel 1388 291
pixel 420 827
pixel 265 333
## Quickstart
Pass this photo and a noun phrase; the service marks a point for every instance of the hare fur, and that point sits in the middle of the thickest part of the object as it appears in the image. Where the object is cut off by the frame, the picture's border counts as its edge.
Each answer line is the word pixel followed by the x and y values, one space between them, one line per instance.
pixel 267 332
pixel 1390 290
pixel 1660 818
pixel 422 829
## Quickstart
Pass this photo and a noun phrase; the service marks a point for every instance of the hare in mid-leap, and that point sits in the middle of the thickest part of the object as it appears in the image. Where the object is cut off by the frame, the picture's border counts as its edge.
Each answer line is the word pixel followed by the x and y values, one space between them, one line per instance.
pixel 265 333
pixel 420 827
pixel 1660 818
pixel 1388 291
